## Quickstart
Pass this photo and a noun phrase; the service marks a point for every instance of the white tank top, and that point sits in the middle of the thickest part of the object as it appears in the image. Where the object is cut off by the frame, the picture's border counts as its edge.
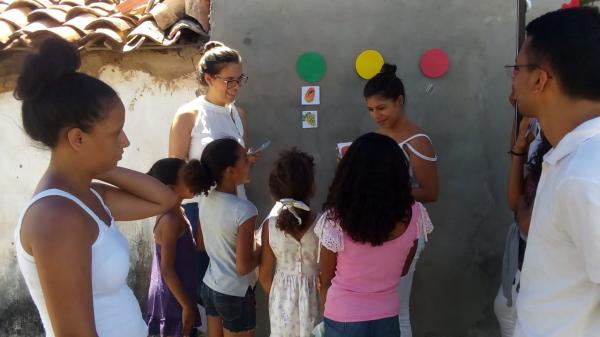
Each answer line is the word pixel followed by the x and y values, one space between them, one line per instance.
pixel 214 122
pixel 116 310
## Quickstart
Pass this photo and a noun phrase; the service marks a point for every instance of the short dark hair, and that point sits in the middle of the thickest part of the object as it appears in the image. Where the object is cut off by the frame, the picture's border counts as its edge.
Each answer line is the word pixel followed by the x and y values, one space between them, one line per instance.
pixel 568 40
pixel 292 177
pixel 56 96
pixel 215 56
pixel 167 170
pixel 371 190
pixel 201 175
pixel 385 84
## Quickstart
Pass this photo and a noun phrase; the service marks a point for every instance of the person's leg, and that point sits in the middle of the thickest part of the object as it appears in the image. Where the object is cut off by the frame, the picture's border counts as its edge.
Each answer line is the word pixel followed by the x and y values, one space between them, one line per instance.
pixel 405 290
pixel 215 326
pixel 507 316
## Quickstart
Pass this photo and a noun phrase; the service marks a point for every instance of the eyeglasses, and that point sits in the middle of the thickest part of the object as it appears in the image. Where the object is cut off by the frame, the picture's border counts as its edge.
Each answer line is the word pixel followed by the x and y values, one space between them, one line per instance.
pixel 230 83
pixel 513 70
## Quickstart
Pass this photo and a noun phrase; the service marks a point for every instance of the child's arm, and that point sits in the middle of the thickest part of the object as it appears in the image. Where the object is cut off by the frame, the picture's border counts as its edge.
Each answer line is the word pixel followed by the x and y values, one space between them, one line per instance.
pixel 410 257
pixel 170 230
pixel 267 261
pixel 246 259
pixel 327 266
pixel 199 238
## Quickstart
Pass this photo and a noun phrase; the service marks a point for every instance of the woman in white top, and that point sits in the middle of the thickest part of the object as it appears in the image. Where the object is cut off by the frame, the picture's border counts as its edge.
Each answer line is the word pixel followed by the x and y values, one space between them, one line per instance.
pixel 386 98
pixel 211 116
pixel 73 258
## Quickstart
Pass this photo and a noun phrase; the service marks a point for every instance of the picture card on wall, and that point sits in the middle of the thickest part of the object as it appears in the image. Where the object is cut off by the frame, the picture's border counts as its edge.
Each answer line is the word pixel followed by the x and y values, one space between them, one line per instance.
pixel 311 95
pixel 309 119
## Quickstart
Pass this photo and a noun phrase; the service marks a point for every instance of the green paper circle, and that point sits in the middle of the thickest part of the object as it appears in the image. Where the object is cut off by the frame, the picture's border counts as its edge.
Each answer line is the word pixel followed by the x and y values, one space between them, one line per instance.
pixel 311 67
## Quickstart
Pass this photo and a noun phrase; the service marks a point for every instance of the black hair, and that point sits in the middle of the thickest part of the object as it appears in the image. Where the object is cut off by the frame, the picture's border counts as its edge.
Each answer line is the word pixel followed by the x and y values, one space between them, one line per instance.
pixel 385 84
pixel 568 40
pixel 167 170
pixel 293 177
pixel 534 169
pixel 201 175
pixel 215 56
pixel 371 190
pixel 56 96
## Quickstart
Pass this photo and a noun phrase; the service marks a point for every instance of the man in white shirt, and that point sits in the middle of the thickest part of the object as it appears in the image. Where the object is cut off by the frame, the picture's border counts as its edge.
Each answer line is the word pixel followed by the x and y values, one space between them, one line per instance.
pixel 556 79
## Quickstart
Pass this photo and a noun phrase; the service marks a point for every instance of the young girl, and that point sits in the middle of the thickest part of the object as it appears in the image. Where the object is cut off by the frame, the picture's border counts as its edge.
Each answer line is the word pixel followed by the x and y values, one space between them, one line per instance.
pixel 291 248
pixel 227 225
pixel 73 257
pixel 172 293
pixel 386 101
pixel 368 237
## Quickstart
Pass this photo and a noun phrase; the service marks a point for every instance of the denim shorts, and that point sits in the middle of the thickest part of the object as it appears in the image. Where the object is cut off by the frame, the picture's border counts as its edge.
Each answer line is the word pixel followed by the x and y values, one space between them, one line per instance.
pixel 385 327
pixel 238 313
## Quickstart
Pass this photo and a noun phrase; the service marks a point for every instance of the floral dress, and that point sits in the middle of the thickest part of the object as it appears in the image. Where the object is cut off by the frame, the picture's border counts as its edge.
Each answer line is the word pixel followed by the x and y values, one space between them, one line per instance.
pixel 294 299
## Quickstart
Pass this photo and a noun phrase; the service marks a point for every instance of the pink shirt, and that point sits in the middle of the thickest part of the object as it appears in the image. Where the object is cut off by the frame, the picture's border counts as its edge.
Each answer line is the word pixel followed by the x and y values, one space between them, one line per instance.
pixel 365 285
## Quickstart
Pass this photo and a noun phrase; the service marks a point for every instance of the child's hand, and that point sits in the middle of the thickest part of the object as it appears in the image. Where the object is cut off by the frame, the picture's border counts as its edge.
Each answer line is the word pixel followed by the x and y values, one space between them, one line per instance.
pixel 253 157
pixel 524 137
pixel 188 316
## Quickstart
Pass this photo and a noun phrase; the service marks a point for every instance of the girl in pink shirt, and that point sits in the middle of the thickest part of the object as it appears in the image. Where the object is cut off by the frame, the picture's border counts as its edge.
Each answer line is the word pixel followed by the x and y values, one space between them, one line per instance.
pixel 368 236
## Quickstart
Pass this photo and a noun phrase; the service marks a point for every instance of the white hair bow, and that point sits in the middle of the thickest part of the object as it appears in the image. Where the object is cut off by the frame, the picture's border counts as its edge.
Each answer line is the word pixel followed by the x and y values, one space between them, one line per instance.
pixel 290 205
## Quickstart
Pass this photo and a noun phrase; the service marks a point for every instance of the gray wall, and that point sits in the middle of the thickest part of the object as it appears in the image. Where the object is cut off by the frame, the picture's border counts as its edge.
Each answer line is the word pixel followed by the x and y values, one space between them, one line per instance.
pixel 466 114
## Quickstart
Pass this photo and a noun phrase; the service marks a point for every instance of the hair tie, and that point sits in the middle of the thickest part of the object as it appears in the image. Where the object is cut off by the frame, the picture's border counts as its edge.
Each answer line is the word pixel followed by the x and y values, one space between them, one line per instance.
pixel 290 205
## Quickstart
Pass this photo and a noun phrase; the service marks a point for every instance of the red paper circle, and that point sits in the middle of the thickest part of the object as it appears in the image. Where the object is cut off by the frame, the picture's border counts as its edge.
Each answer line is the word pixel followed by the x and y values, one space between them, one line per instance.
pixel 434 63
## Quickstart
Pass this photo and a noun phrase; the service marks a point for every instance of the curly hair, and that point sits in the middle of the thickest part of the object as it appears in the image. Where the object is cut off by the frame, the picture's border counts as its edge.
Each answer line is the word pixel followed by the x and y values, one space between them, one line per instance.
pixel 293 177
pixel 371 190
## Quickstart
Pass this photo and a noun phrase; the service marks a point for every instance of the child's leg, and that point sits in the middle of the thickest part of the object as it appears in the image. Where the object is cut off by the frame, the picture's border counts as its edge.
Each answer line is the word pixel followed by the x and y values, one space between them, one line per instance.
pixel 215 326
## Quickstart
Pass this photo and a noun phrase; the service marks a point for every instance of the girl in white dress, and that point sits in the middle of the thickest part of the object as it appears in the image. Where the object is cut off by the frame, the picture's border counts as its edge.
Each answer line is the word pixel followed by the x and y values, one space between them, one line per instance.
pixel 289 269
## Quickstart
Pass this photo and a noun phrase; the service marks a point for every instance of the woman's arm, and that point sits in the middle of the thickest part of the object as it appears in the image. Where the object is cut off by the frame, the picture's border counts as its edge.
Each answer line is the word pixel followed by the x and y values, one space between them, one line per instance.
pixel 519 149
pixel 267 261
pixel 424 171
pixel 60 235
pixel 135 195
pixel 246 258
pixel 170 230
pixel 327 272
pixel 180 134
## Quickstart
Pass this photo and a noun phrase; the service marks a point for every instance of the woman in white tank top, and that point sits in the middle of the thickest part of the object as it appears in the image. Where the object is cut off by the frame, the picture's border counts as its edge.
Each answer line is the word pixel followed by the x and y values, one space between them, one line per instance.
pixel 73 258
pixel 385 98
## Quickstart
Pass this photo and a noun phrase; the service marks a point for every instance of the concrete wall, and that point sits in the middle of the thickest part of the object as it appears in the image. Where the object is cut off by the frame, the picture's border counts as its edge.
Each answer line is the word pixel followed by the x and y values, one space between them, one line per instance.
pixel 466 114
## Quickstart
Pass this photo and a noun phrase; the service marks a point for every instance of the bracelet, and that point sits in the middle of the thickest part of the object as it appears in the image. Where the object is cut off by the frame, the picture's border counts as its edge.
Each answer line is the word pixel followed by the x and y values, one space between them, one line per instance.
pixel 517 153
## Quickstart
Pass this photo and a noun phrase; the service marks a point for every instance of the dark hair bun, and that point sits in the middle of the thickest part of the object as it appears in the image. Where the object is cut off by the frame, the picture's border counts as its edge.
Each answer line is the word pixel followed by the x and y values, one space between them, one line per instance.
pixel 211 45
pixel 55 59
pixel 388 69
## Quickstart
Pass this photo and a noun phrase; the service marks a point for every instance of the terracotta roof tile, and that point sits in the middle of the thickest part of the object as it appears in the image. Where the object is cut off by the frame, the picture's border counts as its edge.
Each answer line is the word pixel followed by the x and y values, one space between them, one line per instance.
pixel 90 24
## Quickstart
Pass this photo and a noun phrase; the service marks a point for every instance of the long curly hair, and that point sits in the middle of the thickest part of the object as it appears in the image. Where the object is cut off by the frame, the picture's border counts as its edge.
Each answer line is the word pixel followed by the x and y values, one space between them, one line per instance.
pixel 293 177
pixel 371 191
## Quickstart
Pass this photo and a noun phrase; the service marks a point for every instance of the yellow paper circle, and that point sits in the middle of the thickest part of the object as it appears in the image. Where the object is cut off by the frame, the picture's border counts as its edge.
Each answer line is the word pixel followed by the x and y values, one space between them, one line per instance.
pixel 369 63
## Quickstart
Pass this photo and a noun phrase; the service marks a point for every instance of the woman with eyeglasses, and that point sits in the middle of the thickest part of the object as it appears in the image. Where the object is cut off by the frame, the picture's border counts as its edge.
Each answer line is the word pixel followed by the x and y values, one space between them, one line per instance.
pixel 212 115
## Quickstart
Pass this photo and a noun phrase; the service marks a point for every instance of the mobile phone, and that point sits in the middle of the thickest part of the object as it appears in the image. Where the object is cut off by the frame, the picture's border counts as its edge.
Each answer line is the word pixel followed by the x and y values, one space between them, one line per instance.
pixel 263 147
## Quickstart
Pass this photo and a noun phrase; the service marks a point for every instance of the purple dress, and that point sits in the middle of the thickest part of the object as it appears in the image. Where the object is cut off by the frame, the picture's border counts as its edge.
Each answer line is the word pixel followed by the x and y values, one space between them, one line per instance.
pixel 164 312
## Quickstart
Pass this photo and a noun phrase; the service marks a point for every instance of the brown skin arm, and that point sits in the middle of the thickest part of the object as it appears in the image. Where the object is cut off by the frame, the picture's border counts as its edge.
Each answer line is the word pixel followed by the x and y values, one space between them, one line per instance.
pixel 523 216
pixel 180 134
pixel 327 265
pixel 136 195
pixel 170 230
pixel 424 171
pixel 410 257
pixel 516 180
pixel 246 258
pixel 267 261
pixel 59 235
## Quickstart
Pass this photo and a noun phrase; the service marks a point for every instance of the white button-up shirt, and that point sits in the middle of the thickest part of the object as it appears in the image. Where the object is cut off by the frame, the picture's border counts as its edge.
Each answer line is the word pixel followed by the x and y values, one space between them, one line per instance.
pixel 560 281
